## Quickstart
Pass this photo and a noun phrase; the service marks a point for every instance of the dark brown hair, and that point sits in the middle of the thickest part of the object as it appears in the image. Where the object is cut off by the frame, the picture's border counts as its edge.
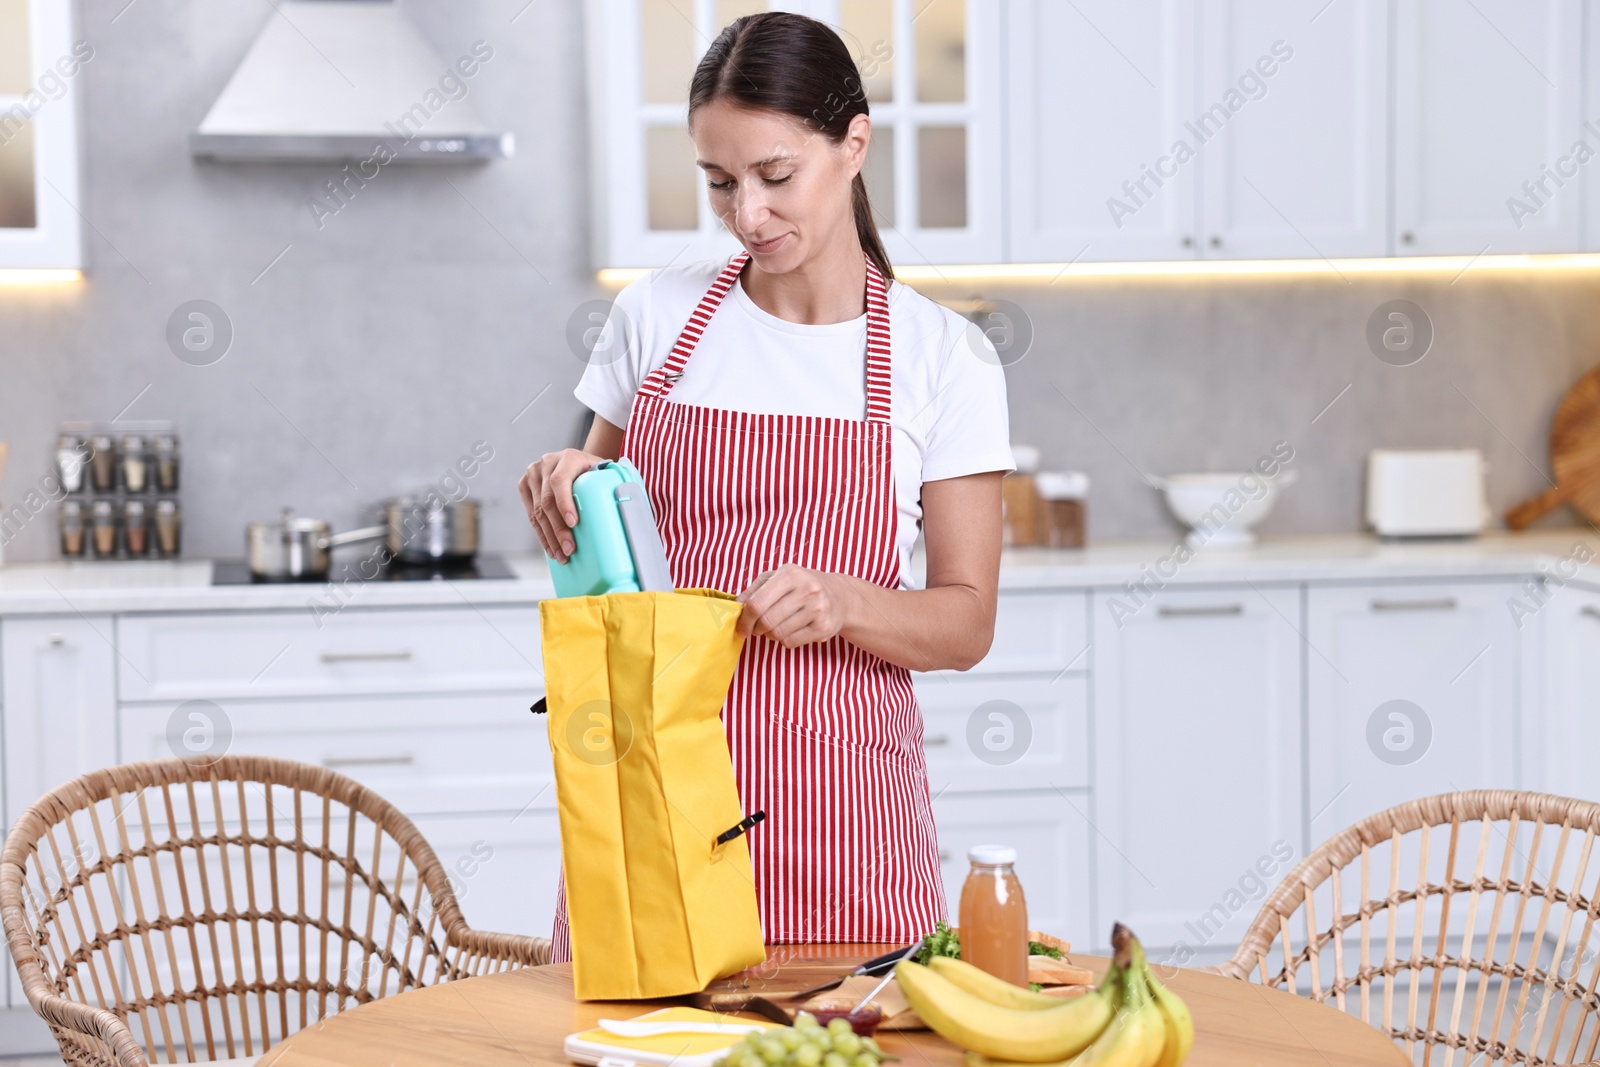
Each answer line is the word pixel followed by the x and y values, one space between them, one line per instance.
pixel 780 61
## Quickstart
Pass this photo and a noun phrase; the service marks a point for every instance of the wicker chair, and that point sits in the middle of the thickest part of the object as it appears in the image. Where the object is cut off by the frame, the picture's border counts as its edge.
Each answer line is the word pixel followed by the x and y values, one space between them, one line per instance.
pixel 187 911
pixel 1464 925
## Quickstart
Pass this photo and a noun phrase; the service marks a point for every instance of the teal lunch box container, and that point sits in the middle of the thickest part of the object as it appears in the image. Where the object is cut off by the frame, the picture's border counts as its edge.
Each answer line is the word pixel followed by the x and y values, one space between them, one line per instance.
pixel 602 560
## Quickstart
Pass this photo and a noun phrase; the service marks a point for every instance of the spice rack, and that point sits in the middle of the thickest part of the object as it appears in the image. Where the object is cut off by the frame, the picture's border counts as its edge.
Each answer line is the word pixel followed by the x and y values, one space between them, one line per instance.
pixel 119 485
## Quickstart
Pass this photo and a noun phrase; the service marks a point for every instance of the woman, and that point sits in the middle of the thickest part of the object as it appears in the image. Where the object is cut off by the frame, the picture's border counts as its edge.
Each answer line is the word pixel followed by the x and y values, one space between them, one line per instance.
pixel 740 399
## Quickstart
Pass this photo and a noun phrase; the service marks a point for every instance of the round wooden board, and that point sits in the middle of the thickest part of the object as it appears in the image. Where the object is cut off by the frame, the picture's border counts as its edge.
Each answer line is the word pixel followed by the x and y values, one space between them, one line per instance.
pixel 1575 446
pixel 520 1019
pixel 1574 457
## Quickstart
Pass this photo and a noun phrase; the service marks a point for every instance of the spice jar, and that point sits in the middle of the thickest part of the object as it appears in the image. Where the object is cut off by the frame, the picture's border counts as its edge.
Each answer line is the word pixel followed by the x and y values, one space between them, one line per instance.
pixel 72 460
pixel 136 527
pixel 69 518
pixel 169 528
pixel 103 528
pixel 135 464
pixel 164 455
pixel 103 463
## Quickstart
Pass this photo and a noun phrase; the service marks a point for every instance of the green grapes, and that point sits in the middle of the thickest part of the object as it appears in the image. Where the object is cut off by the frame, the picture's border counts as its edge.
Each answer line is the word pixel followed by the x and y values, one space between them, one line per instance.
pixel 806 1044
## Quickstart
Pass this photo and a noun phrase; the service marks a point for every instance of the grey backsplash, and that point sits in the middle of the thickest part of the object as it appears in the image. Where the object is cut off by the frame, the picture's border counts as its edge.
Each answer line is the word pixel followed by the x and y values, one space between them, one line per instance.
pixel 431 312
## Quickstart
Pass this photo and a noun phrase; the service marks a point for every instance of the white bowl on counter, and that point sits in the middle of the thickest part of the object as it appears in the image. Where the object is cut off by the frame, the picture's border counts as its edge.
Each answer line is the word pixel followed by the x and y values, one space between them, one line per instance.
pixel 1220 508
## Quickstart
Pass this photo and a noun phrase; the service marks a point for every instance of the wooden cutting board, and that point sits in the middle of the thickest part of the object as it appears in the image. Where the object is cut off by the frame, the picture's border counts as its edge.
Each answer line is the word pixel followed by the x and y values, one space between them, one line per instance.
pixel 1574 457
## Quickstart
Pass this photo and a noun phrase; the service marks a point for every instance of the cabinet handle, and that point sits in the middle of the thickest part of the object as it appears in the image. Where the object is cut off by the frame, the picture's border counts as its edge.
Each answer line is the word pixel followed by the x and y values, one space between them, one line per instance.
pixel 944 855
pixel 1443 603
pixel 365 657
pixel 1175 611
pixel 57 640
pixel 1188 241
pixel 369 761
pixel 1216 241
pixel 936 741
pixel 1591 610
pixel 1408 238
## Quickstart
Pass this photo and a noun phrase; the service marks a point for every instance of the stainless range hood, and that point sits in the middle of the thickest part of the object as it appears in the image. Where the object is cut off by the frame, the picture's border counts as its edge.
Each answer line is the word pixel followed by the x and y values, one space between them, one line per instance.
pixel 348 80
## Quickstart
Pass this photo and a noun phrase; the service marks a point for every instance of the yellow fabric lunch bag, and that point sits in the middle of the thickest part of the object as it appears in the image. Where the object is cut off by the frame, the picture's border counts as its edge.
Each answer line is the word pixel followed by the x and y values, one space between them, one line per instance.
pixel 661 900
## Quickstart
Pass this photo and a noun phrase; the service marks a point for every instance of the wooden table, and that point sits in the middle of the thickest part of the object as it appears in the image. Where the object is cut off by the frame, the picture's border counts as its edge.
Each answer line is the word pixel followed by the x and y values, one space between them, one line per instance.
pixel 520 1018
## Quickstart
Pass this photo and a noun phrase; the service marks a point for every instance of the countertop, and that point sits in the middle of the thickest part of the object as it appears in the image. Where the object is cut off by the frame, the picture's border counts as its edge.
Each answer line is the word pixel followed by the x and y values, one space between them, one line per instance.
pixel 185 585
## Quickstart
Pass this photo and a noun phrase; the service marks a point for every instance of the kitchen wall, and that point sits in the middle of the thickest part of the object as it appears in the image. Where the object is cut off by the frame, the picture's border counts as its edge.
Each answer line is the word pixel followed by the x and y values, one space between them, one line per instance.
pixel 373 349
pixel 1164 375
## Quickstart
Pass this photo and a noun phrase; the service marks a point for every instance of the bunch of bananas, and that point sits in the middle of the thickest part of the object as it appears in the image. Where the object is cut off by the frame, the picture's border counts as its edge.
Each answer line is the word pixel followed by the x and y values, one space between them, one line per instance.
pixel 1129 1020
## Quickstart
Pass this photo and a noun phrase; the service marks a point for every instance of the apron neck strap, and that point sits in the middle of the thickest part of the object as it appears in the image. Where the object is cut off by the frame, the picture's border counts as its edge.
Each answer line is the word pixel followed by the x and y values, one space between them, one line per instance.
pixel 660 381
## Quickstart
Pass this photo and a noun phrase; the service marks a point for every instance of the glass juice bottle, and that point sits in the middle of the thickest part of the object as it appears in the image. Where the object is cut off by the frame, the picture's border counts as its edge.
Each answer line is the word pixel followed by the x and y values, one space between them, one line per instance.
pixel 994 915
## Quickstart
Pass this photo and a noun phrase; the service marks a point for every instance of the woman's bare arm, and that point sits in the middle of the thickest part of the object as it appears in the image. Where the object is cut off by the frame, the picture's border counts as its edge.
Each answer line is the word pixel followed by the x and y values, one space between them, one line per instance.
pixel 949 625
pixel 605 440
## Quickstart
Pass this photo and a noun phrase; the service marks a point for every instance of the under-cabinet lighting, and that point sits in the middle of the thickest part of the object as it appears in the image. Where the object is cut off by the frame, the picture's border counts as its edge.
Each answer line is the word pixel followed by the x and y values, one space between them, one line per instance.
pixel 19 276
pixel 1211 268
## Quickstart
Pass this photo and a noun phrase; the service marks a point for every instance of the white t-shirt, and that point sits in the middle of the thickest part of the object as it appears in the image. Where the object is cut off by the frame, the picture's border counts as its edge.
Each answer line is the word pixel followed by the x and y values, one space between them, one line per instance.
pixel 947 395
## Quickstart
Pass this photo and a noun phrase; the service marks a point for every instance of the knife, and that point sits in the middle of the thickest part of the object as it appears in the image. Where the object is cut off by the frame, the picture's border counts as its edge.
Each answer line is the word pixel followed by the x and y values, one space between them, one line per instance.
pixel 883 964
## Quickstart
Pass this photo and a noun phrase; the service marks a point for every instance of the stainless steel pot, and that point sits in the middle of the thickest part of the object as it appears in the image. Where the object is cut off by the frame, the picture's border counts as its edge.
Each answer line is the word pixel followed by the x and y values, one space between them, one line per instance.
pixel 420 530
pixel 294 548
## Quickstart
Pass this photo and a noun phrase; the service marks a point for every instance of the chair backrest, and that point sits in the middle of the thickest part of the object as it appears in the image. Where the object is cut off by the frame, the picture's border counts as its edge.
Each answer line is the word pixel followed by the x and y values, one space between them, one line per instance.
pixel 1464 925
pixel 216 906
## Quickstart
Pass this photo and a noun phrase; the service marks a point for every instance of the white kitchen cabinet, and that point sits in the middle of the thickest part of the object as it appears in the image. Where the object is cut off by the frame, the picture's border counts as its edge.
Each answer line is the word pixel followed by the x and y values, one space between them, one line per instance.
pixel 932 76
pixel 1050 830
pixel 982 733
pixel 1411 691
pixel 1197 757
pixel 57 713
pixel 1035 632
pixel 1569 749
pixel 503 867
pixel 1097 95
pixel 1294 116
pixel 244 655
pixel 425 754
pixel 1590 134
pixel 1487 105
pixel 40 63
pixel 59 703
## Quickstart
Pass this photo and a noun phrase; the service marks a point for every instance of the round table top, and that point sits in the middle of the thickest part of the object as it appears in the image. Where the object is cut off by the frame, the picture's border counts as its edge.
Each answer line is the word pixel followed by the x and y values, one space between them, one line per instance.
pixel 520 1019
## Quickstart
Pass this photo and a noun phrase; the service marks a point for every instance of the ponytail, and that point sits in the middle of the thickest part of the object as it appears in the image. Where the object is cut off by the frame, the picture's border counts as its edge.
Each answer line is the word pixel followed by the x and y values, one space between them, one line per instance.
pixel 867 230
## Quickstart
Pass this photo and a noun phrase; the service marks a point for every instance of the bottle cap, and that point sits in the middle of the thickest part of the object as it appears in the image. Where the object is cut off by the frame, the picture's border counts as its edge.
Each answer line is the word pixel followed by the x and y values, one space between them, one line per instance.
pixel 992 855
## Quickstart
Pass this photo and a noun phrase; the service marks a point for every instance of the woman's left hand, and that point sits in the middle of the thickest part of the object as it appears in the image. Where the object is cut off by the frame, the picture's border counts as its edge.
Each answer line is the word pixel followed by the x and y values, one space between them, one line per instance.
pixel 794 605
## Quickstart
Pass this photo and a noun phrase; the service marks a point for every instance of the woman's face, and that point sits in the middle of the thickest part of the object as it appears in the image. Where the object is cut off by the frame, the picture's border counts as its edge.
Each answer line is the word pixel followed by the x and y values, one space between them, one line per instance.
pixel 781 187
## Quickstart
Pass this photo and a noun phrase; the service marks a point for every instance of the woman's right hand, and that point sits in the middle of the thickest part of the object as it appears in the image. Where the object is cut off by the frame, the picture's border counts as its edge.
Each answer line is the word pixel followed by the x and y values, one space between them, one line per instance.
pixel 546 488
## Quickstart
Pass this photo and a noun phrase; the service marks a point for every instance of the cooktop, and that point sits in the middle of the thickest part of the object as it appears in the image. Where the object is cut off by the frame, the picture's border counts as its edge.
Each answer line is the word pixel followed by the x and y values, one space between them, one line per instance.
pixel 237 572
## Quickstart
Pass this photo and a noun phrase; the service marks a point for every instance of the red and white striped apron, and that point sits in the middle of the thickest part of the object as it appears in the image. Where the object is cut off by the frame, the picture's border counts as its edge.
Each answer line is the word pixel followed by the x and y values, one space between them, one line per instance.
pixel 825 738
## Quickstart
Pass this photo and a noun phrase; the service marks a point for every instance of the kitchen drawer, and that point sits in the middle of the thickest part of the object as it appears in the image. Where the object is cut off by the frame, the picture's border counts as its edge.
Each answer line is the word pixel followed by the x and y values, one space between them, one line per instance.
pixel 424 754
pixel 1049 830
pixel 1005 733
pixel 1037 632
pixel 274 654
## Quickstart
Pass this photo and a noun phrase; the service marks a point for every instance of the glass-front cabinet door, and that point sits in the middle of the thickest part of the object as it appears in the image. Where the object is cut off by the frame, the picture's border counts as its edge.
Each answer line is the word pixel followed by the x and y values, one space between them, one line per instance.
pixel 40 63
pixel 930 73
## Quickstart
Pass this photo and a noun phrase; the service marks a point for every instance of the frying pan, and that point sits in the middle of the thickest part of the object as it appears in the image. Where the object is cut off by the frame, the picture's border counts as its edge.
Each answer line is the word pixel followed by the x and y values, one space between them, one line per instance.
pixel 1574 457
